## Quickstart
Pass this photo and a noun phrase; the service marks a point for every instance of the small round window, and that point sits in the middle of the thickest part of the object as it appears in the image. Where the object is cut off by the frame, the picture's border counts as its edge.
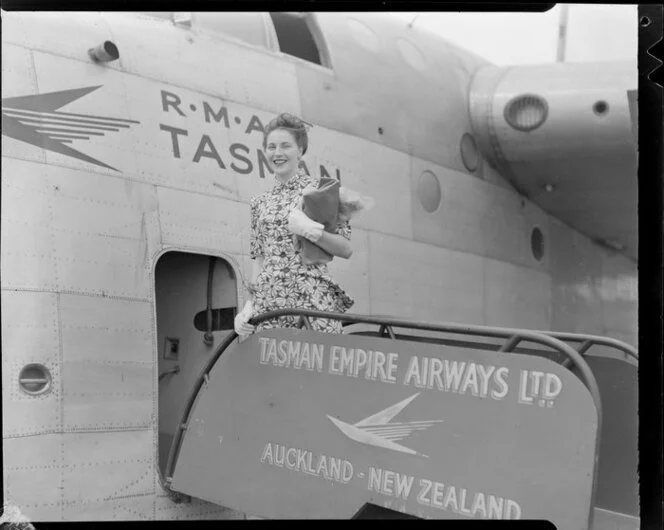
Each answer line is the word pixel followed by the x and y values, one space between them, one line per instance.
pixel 428 191
pixel 34 379
pixel 537 243
pixel 469 155
pixel 601 108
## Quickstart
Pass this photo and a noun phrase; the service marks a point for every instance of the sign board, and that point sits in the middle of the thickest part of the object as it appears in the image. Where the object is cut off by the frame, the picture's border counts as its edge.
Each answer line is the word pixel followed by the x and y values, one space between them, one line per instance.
pixel 302 424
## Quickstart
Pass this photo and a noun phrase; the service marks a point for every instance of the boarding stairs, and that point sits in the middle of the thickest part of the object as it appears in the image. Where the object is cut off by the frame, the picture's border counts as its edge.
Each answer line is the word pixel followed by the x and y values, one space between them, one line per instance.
pixel 597 373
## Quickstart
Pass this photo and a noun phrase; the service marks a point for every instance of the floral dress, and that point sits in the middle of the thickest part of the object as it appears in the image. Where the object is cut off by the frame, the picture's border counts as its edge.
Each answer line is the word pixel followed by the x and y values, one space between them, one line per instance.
pixel 284 281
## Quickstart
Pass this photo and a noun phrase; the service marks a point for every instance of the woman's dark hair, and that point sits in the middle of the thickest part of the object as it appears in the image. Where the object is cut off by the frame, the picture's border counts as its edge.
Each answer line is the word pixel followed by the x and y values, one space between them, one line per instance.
pixel 292 124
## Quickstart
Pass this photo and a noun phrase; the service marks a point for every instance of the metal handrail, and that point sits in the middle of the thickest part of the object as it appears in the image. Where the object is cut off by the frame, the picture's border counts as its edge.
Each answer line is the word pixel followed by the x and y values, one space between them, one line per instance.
pixel 189 404
pixel 588 341
pixel 513 338
pixel 516 335
pixel 593 340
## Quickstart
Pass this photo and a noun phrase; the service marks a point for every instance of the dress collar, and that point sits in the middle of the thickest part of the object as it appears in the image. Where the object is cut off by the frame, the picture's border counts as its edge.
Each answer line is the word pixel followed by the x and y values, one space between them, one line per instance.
pixel 292 183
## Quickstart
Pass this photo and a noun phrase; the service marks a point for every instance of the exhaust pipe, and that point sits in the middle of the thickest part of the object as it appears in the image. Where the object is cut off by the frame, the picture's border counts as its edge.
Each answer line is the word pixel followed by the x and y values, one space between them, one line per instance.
pixel 104 53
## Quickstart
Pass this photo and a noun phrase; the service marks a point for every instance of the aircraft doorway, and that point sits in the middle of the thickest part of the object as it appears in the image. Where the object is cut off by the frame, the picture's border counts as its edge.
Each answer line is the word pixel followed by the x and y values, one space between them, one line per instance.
pixel 196 299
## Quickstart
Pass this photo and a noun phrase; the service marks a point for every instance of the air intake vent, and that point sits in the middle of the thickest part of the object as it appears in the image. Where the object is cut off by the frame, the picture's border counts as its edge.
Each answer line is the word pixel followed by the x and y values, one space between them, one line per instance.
pixel 526 112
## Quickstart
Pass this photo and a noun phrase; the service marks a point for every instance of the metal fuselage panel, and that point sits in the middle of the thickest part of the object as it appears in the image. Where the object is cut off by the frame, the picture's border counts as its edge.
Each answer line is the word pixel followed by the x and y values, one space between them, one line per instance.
pixel 83 225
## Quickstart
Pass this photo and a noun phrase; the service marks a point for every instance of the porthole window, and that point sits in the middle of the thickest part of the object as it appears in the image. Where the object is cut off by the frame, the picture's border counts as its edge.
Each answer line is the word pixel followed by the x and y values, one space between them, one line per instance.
pixel 428 191
pixel 34 379
pixel 537 244
pixel 601 108
pixel 526 112
pixel 469 155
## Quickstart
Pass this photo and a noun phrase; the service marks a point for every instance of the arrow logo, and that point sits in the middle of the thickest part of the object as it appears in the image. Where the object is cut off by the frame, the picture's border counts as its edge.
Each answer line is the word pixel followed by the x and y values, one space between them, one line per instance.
pixel 377 430
pixel 37 121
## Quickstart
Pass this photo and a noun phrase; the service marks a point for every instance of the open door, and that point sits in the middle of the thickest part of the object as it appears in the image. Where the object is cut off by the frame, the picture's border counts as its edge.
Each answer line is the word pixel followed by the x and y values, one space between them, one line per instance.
pixel 196 302
pixel 300 424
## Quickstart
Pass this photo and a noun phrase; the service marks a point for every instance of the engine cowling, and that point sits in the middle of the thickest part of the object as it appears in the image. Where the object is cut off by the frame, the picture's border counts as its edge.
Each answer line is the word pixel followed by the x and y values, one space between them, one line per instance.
pixel 565 135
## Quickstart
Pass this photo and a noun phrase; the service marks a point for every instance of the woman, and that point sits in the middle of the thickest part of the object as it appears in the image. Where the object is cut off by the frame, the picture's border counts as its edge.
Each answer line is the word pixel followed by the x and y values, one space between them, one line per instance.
pixel 279 278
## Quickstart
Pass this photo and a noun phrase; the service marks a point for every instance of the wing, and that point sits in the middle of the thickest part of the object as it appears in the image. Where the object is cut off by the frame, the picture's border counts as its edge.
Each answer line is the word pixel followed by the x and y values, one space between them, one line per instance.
pixel 399 431
pixel 384 416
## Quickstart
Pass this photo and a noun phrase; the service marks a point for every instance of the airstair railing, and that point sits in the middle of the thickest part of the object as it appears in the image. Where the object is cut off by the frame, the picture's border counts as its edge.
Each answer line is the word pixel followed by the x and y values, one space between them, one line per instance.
pixel 588 341
pixel 189 406
pixel 512 337
pixel 585 341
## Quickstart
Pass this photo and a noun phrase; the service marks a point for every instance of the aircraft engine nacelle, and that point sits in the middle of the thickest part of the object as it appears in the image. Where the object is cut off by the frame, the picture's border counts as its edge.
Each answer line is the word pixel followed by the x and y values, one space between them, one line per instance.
pixel 538 113
pixel 565 135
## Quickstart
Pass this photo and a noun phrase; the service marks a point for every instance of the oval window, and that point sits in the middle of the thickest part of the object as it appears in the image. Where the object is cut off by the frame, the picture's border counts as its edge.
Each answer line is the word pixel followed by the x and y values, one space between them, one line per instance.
pixel 428 191
pixel 469 155
pixel 537 243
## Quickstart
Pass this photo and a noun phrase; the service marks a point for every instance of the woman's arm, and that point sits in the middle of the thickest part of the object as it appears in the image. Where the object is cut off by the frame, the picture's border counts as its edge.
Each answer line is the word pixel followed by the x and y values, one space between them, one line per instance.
pixel 242 326
pixel 256 269
pixel 335 244
pixel 302 225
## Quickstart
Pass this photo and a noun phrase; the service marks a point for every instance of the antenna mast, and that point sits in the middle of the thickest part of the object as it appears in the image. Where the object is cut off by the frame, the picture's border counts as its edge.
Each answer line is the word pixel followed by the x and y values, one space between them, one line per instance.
pixel 410 25
pixel 562 33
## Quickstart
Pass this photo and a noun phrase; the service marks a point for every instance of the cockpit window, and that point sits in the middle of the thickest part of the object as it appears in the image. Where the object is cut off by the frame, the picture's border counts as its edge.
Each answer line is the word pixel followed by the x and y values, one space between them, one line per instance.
pixel 299 35
pixel 296 34
pixel 252 28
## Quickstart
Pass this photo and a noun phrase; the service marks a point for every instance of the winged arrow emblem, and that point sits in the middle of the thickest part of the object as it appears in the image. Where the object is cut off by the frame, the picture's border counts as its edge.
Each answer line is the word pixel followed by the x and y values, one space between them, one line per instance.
pixel 37 120
pixel 377 429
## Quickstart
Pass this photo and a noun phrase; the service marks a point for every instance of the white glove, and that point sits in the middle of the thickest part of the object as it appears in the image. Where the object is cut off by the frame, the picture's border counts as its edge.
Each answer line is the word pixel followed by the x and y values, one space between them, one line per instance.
pixel 301 225
pixel 242 327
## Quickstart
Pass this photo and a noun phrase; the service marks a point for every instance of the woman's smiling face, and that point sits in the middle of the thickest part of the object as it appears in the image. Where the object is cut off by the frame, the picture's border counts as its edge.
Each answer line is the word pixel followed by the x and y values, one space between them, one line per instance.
pixel 283 153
